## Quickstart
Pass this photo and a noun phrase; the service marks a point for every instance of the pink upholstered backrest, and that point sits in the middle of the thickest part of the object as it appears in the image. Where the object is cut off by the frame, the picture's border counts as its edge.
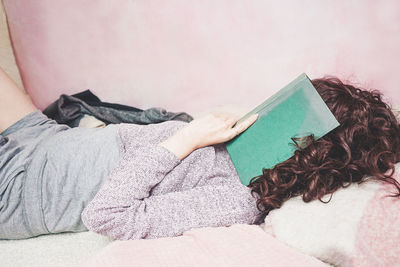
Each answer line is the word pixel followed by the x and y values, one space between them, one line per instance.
pixel 194 55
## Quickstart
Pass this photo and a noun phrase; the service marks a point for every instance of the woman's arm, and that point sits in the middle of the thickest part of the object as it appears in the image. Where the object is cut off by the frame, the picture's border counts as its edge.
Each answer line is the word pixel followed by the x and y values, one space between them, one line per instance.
pixel 212 128
pixel 14 103
pixel 125 209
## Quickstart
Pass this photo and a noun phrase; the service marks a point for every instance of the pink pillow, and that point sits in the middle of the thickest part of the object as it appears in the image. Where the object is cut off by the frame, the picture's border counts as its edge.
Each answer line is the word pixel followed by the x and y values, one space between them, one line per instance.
pixel 195 55
pixel 358 227
pixel 238 245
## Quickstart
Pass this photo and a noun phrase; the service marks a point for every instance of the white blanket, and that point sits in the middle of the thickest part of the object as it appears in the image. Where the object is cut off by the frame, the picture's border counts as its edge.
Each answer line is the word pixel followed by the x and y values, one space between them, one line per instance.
pixel 69 249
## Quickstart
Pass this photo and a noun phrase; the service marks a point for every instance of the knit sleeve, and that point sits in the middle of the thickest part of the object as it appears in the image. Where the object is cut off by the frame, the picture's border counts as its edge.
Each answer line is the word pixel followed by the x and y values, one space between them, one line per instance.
pixel 124 208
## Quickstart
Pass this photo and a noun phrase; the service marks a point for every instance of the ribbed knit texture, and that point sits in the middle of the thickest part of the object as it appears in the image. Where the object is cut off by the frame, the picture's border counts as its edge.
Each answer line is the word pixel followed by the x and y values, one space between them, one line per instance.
pixel 151 193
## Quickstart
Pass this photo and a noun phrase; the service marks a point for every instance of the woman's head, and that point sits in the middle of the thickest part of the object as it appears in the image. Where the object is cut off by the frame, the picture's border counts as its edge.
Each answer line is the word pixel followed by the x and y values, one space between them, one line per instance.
pixel 367 143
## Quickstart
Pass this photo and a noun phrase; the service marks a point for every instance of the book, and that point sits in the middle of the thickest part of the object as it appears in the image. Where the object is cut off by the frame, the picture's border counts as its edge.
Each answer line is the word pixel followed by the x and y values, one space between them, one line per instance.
pixel 295 111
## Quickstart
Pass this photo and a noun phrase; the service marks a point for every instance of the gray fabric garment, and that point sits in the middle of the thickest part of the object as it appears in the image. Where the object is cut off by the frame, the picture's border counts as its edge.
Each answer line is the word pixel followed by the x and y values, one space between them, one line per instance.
pixel 48 174
pixel 17 146
pixel 70 110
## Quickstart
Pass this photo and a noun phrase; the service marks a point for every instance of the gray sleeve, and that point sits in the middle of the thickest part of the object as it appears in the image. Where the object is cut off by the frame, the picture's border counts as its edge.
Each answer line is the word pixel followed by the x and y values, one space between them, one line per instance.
pixel 124 209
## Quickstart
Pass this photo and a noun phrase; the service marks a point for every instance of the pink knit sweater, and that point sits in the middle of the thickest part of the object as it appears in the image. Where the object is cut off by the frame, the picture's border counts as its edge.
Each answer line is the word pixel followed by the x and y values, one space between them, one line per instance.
pixel 151 193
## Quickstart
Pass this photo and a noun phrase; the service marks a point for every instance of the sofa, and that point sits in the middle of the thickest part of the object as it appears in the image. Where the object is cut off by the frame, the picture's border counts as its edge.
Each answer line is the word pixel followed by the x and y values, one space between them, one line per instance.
pixel 196 57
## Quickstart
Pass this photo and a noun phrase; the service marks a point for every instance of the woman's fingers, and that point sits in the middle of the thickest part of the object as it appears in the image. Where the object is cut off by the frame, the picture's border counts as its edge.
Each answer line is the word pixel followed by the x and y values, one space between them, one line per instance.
pixel 231 121
pixel 238 129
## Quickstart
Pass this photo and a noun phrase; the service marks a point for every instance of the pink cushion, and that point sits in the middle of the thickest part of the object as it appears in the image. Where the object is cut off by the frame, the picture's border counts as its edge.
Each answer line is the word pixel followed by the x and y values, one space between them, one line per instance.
pixel 193 55
pixel 238 245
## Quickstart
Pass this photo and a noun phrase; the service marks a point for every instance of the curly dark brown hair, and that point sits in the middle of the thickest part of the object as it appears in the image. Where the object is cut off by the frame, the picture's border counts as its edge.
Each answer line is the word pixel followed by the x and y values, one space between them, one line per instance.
pixel 366 145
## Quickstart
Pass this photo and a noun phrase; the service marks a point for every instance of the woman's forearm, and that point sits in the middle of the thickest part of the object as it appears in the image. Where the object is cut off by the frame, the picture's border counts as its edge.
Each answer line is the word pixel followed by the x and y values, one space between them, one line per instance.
pixel 179 144
pixel 213 128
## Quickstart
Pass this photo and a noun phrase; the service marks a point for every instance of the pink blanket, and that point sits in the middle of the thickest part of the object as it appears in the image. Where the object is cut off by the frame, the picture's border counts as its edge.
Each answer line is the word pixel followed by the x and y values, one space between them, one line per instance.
pixel 238 245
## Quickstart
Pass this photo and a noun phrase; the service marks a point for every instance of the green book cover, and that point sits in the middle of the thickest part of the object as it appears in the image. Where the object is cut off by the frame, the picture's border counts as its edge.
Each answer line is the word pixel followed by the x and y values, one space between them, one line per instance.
pixel 297 110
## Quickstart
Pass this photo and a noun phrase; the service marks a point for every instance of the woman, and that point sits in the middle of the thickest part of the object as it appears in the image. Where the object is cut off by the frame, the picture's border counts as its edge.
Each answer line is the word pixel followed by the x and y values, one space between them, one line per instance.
pixel 49 172
pixel 148 181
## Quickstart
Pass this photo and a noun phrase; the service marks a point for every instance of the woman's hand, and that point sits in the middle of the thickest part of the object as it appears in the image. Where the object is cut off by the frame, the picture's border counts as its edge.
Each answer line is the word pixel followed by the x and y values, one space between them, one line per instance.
pixel 215 127
pixel 212 128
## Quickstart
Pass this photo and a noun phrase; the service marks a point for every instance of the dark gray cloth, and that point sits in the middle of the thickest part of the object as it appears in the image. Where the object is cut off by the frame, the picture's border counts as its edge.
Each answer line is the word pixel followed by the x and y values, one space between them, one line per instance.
pixel 70 109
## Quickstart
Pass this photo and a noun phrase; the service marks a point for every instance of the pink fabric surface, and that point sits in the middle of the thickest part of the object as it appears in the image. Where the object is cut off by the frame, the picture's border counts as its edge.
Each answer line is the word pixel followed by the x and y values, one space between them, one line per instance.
pixel 238 245
pixel 378 236
pixel 193 55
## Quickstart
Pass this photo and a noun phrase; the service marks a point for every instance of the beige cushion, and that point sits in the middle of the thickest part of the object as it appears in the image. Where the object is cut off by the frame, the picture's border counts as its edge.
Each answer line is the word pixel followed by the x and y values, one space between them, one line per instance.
pixel 7 60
